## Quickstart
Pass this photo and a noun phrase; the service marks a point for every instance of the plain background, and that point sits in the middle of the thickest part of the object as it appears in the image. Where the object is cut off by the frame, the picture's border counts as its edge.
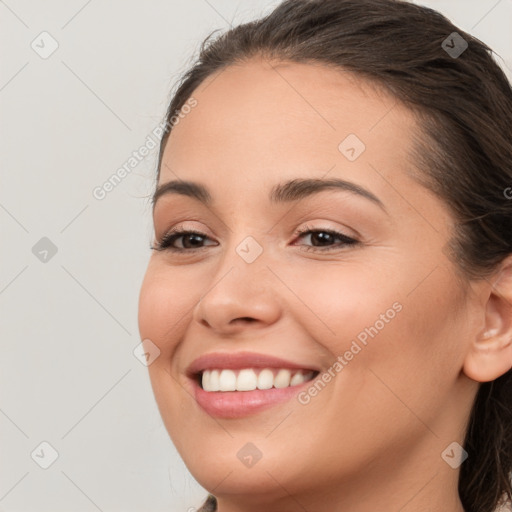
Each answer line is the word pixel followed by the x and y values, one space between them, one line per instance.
pixel 69 376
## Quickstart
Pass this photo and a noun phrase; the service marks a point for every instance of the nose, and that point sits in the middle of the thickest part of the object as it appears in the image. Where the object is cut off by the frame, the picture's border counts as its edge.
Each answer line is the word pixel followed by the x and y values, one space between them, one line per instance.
pixel 238 295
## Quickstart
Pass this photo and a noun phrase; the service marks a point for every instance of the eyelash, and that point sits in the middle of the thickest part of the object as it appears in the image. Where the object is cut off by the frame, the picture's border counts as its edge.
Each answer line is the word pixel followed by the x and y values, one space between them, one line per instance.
pixel 165 244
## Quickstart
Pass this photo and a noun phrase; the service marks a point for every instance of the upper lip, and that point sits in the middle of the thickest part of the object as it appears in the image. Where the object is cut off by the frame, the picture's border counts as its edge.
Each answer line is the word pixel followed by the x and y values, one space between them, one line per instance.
pixel 239 360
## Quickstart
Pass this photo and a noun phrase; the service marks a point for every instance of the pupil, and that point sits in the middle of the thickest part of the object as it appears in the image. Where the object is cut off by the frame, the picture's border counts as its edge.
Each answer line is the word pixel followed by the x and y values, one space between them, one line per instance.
pixel 198 238
pixel 322 236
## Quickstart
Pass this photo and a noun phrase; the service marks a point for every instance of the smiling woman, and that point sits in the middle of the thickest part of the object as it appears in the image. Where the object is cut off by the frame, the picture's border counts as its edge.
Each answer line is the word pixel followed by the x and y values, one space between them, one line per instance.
pixel 340 179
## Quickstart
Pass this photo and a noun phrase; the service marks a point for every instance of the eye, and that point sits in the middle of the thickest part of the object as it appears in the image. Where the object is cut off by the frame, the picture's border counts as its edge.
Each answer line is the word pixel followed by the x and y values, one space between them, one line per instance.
pixel 325 238
pixel 191 240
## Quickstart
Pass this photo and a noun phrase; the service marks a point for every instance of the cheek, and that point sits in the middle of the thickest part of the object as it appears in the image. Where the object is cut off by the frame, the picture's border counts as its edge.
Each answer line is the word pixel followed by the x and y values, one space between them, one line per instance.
pixel 385 323
pixel 404 371
pixel 162 306
pixel 154 301
pixel 339 301
pixel 165 300
pixel 417 356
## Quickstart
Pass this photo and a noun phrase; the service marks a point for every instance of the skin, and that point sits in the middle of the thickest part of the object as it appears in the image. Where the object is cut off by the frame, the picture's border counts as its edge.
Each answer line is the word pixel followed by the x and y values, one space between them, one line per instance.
pixel 372 438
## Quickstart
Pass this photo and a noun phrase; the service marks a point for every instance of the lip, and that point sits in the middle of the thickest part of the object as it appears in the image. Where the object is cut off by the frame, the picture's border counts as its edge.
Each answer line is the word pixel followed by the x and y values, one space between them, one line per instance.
pixel 237 404
pixel 240 360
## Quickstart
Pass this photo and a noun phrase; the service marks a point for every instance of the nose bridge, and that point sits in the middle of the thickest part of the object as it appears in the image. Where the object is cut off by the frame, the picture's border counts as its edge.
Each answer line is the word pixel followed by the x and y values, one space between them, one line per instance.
pixel 248 243
pixel 241 286
pixel 244 263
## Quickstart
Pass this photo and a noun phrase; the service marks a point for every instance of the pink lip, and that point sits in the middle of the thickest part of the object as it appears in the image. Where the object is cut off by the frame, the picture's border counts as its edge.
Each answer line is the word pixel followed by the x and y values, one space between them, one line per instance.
pixel 239 360
pixel 236 404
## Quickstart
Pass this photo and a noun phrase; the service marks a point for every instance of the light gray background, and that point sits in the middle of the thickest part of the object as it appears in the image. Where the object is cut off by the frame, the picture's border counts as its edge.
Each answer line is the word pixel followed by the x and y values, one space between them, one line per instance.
pixel 69 325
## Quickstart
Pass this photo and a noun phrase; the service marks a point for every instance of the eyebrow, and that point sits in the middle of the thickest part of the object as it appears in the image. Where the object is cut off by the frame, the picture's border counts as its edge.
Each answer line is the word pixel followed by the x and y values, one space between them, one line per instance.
pixel 288 191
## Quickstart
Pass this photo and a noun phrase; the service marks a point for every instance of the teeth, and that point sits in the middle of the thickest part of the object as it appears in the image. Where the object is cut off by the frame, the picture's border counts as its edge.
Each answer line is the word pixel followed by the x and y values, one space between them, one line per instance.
pixel 227 380
pixel 248 379
pixel 214 380
pixel 298 378
pixel 265 379
pixel 282 379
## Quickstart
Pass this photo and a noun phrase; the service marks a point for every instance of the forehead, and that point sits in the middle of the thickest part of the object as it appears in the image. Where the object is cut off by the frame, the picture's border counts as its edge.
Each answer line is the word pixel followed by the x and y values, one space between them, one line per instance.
pixel 262 121
pixel 263 110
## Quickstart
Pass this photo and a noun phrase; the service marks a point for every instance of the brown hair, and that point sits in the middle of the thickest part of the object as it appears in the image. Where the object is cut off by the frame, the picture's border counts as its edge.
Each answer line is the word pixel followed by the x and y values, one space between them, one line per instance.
pixel 464 107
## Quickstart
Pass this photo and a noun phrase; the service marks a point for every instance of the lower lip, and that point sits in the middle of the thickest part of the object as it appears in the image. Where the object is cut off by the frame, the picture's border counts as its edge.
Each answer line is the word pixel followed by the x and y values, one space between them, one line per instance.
pixel 236 404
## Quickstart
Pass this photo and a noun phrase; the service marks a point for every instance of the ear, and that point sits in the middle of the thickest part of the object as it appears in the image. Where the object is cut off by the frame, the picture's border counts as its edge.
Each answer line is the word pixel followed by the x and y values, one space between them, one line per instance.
pixel 490 353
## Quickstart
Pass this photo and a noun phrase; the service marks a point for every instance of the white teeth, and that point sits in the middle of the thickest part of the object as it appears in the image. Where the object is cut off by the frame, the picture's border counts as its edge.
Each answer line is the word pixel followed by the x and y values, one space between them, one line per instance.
pixel 282 379
pixel 298 378
pixel 265 379
pixel 227 380
pixel 214 380
pixel 248 379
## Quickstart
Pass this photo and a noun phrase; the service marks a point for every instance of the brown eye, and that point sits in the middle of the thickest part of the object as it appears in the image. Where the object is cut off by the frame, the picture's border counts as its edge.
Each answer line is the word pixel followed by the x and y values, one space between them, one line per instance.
pixel 190 240
pixel 323 239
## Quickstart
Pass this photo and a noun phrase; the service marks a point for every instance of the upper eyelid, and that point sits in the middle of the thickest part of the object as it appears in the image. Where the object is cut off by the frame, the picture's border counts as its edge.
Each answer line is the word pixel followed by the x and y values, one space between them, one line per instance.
pixel 184 229
pixel 184 226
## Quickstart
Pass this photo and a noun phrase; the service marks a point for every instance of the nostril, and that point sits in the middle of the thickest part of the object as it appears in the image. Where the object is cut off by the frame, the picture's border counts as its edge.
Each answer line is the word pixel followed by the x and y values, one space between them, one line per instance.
pixel 247 319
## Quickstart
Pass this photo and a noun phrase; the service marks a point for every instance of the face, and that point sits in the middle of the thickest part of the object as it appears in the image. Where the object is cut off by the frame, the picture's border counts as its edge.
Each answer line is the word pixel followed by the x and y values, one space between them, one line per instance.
pixel 365 294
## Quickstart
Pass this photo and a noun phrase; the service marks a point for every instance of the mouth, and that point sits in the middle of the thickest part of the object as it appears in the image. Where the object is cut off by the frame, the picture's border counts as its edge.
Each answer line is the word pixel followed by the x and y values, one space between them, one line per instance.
pixel 232 403
pixel 237 384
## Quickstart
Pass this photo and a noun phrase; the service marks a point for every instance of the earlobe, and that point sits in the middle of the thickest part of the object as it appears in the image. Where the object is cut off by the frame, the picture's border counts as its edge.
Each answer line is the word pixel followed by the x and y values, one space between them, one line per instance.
pixel 490 353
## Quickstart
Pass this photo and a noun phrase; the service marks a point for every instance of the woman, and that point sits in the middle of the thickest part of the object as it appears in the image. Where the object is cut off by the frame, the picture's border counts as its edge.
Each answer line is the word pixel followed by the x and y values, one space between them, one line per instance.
pixel 331 283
